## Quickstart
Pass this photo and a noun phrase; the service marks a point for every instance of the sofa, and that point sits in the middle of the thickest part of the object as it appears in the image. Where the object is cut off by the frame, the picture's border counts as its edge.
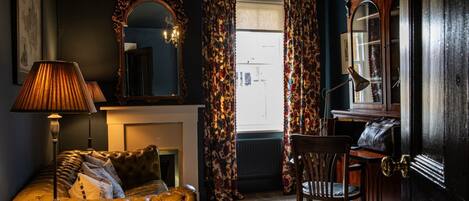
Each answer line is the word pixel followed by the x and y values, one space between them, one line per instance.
pixel 139 171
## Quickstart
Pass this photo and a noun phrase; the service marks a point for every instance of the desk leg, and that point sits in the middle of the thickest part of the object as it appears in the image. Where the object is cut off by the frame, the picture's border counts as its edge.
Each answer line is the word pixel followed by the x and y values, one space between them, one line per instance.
pixel 379 178
pixel 373 182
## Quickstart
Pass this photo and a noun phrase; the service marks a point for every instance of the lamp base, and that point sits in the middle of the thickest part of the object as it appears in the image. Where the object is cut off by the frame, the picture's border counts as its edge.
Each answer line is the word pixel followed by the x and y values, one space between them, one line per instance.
pixel 323 127
pixel 90 139
pixel 54 131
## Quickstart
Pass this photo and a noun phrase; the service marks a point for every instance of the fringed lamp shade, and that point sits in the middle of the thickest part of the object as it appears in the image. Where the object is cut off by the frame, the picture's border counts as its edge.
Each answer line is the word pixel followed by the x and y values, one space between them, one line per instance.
pixel 54 87
pixel 95 92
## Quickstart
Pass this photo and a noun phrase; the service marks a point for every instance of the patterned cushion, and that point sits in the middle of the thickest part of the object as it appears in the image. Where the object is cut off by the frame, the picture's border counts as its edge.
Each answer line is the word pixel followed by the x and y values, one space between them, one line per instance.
pixel 88 188
pixel 98 172
pixel 100 160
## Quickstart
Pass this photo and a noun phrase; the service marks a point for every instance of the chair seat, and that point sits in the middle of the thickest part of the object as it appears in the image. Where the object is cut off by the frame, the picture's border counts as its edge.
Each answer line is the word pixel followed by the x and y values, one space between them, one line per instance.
pixel 337 188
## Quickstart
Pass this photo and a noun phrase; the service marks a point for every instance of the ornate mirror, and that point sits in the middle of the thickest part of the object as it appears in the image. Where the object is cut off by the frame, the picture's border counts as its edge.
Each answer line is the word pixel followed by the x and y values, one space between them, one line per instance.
pixel 150 34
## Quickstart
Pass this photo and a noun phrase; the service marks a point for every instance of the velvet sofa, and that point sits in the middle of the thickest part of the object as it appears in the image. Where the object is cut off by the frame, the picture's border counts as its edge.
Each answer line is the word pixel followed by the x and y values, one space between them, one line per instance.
pixel 139 171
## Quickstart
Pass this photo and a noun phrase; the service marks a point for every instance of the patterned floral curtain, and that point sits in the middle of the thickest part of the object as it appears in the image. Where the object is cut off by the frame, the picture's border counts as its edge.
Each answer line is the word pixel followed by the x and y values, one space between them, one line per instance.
pixel 219 91
pixel 302 76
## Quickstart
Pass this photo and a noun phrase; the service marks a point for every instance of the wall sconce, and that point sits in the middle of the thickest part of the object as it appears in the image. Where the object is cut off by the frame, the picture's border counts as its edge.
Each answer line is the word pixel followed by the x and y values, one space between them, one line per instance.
pixel 173 37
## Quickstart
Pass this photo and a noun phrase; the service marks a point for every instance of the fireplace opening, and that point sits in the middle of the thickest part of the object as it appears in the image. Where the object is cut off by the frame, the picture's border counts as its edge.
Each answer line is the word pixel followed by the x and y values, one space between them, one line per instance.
pixel 169 167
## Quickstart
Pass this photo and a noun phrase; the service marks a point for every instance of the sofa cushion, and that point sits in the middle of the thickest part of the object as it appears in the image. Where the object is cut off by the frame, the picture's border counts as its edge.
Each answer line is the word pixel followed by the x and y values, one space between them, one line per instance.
pixel 101 160
pixel 150 188
pixel 88 188
pixel 98 172
pixel 136 167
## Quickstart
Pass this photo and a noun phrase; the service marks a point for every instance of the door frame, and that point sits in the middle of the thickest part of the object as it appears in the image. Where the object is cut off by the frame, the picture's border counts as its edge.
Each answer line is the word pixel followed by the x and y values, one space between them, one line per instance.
pixel 410 75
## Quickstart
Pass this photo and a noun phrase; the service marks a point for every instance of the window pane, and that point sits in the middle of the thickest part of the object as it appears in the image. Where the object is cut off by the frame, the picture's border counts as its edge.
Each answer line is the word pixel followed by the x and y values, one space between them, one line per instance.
pixel 259 83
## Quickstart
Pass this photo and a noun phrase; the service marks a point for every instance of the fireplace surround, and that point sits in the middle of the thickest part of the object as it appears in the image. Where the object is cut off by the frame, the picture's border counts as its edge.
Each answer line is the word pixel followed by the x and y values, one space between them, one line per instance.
pixel 173 128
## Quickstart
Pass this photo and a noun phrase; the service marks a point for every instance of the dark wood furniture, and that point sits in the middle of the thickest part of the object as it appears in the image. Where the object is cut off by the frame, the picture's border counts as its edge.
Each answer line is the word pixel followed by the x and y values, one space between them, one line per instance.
pixel 378 187
pixel 315 159
pixel 373 27
pixel 363 115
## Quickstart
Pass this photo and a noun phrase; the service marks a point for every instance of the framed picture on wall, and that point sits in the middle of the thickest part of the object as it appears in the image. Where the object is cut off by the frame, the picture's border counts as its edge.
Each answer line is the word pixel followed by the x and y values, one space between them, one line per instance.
pixel 344 52
pixel 27 37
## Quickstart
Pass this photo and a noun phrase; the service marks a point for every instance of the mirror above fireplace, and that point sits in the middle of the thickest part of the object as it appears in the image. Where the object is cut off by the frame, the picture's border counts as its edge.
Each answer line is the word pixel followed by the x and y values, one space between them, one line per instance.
pixel 150 34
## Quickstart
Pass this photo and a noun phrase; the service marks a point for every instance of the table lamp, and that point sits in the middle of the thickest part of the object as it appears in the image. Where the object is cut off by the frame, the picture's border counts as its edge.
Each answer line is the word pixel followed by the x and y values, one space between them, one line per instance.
pixel 54 87
pixel 360 83
pixel 98 97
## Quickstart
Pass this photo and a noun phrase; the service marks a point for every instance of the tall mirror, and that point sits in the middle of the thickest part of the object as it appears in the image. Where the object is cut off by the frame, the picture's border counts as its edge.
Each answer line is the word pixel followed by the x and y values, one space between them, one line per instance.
pixel 150 35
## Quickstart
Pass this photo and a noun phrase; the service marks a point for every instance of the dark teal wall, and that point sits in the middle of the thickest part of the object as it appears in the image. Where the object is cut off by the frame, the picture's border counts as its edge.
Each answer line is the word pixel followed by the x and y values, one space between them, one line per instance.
pixel 338 25
pixel 24 138
pixel 333 22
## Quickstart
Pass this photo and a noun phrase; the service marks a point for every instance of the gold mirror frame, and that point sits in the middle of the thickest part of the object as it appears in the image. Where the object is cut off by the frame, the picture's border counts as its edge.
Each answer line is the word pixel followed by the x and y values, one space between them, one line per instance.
pixel 121 13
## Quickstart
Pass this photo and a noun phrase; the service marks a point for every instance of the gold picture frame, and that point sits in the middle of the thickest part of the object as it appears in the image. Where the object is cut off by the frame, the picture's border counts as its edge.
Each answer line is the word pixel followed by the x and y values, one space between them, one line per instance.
pixel 344 52
pixel 27 37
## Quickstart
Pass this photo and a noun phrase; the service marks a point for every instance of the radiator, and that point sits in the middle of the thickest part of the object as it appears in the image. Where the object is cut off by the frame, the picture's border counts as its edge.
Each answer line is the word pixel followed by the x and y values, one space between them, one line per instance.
pixel 259 164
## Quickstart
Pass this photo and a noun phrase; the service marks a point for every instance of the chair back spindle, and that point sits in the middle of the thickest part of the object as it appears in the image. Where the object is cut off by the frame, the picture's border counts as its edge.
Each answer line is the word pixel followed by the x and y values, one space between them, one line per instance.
pixel 315 160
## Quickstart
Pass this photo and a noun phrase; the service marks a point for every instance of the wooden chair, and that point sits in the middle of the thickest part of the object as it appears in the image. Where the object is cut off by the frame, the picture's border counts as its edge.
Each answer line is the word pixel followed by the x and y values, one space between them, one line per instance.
pixel 315 161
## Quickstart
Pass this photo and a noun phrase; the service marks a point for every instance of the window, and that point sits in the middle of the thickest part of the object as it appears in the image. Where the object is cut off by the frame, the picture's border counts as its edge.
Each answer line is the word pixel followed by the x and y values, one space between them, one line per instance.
pixel 259 67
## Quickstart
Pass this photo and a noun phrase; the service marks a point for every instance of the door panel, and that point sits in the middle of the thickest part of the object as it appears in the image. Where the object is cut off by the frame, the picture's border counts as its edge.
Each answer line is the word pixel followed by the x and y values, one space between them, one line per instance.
pixel 456 80
pixel 434 100
pixel 432 80
pixel 428 149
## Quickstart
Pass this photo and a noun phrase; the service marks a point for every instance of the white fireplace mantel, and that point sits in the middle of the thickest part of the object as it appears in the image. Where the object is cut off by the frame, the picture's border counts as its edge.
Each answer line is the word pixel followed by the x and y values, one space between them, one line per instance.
pixel 119 117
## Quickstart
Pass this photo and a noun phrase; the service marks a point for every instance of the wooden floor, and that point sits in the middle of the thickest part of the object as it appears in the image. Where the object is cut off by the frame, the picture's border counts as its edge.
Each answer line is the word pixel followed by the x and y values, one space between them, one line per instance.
pixel 271 196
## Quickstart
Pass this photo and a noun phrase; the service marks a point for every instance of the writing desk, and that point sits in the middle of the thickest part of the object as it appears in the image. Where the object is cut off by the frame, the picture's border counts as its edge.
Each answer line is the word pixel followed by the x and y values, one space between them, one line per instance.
pixel 364 155
pixel 377 186
pixel 373 177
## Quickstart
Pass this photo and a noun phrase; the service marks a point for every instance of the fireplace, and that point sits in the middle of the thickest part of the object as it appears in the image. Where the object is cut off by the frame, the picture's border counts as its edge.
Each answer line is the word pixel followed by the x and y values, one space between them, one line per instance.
pixel 169 167
pixel 172 128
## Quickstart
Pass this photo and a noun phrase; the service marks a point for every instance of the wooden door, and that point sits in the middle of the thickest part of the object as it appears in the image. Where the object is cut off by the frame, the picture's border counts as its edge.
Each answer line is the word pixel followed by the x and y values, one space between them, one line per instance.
pixel 139 72
pixel 434 98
